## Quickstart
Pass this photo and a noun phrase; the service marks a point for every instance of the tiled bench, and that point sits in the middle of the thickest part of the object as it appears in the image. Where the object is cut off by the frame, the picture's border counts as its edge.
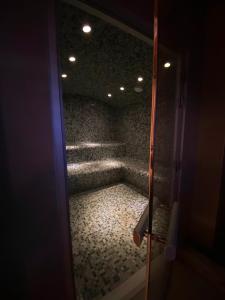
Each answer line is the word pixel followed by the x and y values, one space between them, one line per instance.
pixel 94 151
pixel 89 175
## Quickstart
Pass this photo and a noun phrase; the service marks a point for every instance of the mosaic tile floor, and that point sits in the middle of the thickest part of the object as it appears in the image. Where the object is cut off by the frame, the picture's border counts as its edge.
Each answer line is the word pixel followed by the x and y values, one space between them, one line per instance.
pixel 102 224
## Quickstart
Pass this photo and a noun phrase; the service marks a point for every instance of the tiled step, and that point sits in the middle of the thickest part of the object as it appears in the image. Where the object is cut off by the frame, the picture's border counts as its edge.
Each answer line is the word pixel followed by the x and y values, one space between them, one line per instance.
pixel 89 175
pixel 94 151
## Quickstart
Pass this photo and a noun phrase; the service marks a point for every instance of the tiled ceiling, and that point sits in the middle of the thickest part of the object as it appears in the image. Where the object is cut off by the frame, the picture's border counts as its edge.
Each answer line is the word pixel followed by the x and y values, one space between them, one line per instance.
pixel 106 59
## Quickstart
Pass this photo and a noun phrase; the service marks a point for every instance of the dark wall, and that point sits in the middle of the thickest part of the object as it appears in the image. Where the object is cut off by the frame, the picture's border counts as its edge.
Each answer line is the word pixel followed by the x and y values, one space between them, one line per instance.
pixel 36 239
pixel 206 123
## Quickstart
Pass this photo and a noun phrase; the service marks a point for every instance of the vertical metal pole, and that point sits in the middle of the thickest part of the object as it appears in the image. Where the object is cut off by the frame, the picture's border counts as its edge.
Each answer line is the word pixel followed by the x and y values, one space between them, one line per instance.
pixel 152 145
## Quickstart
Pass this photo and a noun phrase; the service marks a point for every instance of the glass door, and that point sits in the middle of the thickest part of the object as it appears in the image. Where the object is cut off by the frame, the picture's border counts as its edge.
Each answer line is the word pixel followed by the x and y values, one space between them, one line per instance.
pixel 159 221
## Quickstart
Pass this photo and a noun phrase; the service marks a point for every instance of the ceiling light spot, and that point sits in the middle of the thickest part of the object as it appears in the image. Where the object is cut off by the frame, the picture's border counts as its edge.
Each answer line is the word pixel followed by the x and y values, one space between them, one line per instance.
pixel 138 89
pixel 72 58
pixel 140 78
pixel 64 75
pixel 122 88
pixel 86 28
pixel 167 64
pixel 109 95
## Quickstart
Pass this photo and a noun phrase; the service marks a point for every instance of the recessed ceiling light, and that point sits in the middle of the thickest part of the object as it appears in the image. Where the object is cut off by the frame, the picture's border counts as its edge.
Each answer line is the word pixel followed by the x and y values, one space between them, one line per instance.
pixel 86 28
pixel 72 58
pixel 167 65
pixel 138 89
pixel 109 95
pixel 64 75
pixel 122 88
pixel 140 78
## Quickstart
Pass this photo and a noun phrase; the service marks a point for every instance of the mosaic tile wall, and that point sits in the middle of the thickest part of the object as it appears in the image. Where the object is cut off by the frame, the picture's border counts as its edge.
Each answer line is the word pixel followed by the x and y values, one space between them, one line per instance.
pixel 87 120
pixel 133 127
